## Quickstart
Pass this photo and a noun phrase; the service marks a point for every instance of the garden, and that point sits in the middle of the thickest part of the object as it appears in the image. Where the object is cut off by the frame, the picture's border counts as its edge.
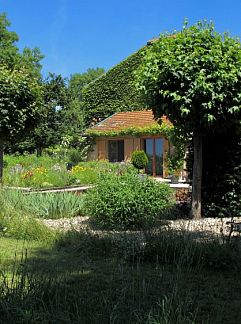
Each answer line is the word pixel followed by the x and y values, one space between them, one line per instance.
pixel 34 172
pixel 110 254
pixel 121 265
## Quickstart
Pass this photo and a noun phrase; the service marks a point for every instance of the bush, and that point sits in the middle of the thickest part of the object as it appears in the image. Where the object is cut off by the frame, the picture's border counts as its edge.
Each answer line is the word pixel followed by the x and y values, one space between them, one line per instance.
pixel 139 159
pixel 75 156
pixel 127 202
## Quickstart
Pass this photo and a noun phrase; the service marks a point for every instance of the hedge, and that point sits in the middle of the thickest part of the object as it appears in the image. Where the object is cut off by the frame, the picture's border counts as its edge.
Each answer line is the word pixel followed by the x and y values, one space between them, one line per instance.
pixel 113 91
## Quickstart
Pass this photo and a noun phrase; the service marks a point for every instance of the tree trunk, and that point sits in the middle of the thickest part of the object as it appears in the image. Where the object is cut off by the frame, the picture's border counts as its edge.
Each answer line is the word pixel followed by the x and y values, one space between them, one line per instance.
pixel 1 162
pixel 39 151
pixel 197 177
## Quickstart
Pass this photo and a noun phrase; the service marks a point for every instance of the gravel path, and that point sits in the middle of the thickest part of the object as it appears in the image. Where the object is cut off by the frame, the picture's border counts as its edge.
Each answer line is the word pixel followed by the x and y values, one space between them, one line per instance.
pixel 209 226
pixel 67 224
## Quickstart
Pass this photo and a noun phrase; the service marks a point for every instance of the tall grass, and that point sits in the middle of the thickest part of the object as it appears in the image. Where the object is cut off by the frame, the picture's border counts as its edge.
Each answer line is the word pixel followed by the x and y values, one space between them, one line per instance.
pixel 108 292
pixel 47 205
pixel 20 226
pixel 108 278
pixel 20 213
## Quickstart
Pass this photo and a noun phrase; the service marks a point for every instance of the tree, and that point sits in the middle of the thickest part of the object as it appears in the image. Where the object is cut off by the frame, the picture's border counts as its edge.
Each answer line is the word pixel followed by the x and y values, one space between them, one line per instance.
pixel 9 54
pixel 51 124
pixel 20 102
pixel 73 118
pixel 20 88
pixel 79 80
pixel 194 77
pixel 31 58
pixel 73 113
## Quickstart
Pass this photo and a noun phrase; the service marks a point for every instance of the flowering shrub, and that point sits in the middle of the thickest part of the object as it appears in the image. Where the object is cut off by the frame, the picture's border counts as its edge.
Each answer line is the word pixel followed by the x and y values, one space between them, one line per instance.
pixel 26 175
pixel 32 172
pixel 29 171
pixel 80 168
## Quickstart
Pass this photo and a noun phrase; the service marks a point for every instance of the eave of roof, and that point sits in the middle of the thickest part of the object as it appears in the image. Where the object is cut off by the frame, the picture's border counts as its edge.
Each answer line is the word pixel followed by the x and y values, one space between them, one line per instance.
pixel 128 120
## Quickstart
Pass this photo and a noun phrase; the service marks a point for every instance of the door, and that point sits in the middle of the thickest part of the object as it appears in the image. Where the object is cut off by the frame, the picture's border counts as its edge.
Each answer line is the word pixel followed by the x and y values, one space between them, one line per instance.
pixel 154 151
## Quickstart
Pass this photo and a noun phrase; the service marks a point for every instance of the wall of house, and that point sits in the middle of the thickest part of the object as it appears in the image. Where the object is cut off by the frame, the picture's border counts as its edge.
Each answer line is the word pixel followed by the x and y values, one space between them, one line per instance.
pixel 130 144
pixel 93 153
pixel 102 146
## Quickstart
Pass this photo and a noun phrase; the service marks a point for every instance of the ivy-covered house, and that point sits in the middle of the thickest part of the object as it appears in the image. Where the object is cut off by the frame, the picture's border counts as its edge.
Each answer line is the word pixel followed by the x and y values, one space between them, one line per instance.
pixel 114 91
pixel 118 120
pixel 117 136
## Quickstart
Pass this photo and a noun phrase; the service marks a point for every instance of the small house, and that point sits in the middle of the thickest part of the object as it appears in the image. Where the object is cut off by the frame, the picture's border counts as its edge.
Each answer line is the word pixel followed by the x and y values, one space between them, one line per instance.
pixel 117 136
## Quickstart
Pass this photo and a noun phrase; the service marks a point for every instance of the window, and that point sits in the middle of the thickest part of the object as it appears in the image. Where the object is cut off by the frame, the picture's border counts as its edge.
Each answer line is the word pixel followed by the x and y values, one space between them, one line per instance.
pixel 154 150
pixel 116 151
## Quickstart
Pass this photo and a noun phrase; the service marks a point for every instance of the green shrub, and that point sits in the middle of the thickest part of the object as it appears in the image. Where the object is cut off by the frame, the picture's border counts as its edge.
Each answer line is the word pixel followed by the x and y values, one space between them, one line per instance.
pixel 74 156
pixel 139 159
pixel 126 201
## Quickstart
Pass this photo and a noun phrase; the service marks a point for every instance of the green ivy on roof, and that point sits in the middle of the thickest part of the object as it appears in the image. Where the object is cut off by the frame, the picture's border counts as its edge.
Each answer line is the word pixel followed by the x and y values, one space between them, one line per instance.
pixel 155 129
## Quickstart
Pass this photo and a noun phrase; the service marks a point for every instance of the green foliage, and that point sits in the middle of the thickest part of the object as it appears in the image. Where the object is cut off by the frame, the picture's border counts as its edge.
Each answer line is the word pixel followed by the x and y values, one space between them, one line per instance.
pixel 193 77
pixel 31 58
pixel 155 129
pixel 139 159
pixel 126 201
pixel 113 91
pixel 73 118
pixel 8 50
pixel 176 154
pixel 22 226
pixel 159 246
pixel 180 248
pixel 78 81
pixel 26 228
pixel 20 102
pixel 48 205
pixel 49 130
pixel 141 277
pixel 75 156
pixel 20 91
pixel 222 174
pixel 50 171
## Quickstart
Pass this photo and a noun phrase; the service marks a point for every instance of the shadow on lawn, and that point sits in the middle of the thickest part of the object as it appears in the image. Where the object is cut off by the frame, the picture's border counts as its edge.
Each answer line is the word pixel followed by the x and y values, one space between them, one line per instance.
pixel 146 277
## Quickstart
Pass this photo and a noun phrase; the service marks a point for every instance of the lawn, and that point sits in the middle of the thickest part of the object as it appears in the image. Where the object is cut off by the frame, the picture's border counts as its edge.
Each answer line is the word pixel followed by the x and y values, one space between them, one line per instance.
pixel 86 278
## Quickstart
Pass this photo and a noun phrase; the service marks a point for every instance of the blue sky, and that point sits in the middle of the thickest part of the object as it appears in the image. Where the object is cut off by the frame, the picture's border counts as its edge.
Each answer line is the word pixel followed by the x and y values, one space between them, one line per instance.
pixel 77 34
